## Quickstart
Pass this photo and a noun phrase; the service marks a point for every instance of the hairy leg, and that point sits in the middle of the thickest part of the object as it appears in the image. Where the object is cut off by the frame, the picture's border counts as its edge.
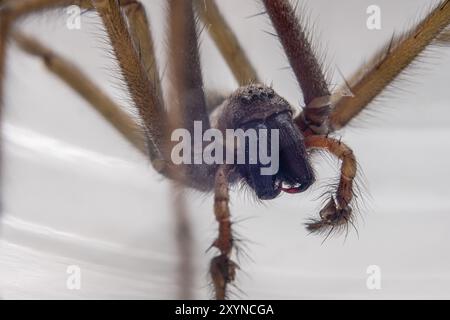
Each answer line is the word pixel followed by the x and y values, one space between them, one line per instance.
pixel 142 38
pixel 306 67
pixel 185 71
pixel 142 90
pixel 222 268
pixel 337 213
pixel 134 51
pixel 371 79
pixel 226 41
pixel 187 104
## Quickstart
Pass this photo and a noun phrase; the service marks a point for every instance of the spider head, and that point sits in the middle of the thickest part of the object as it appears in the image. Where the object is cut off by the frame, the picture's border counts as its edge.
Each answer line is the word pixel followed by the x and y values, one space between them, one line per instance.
pixel 277 161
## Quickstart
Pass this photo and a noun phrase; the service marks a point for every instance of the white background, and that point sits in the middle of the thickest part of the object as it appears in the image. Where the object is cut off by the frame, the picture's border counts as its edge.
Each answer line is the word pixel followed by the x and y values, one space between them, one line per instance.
pixel 76 193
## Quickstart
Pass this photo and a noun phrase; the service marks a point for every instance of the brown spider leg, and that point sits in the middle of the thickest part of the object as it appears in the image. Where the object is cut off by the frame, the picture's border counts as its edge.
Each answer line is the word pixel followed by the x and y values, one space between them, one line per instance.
pixel 337 212
pixel 304 63
pixel 187 99
pixel 85 87
pixel 144 87
pixel 222 268
pixel 141 34
pixel 185 71
pixel 371 79
pixel 142 90
pixel 226 41
pixel 186 105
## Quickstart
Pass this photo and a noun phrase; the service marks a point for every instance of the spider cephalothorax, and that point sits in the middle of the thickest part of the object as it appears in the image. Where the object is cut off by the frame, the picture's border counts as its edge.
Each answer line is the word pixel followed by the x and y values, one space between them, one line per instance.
pixel 259 108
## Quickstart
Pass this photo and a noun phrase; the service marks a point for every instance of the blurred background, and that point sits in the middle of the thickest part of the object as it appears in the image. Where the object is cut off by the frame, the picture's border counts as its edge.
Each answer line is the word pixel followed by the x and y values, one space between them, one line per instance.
pixel 76 193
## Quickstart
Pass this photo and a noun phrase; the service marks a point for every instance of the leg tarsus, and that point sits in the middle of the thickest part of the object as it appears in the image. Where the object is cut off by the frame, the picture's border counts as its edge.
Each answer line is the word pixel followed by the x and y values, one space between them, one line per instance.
pixel 337 212
pixel 223 272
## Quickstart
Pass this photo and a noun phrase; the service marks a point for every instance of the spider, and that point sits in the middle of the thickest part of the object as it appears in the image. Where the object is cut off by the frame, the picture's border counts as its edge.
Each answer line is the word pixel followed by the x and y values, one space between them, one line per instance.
pixel 252 105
